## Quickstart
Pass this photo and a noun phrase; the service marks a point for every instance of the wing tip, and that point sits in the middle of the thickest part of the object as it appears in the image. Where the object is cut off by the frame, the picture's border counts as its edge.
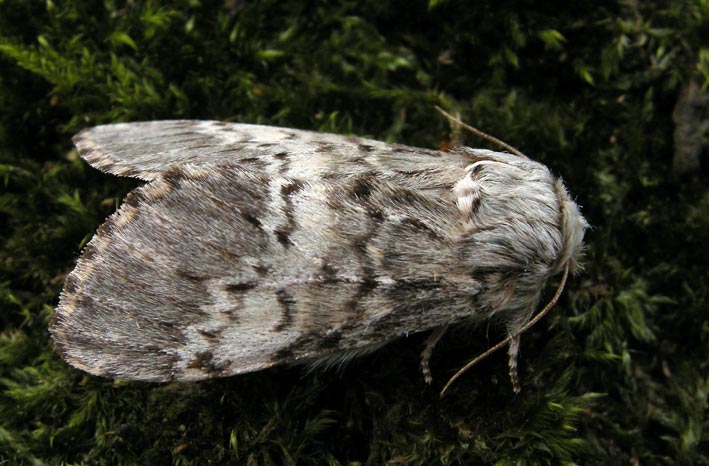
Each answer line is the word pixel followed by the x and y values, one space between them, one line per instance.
pixel 90 147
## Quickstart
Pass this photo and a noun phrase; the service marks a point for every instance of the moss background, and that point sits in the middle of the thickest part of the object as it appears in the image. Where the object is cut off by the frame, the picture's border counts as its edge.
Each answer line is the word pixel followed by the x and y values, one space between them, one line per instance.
pixel 617 375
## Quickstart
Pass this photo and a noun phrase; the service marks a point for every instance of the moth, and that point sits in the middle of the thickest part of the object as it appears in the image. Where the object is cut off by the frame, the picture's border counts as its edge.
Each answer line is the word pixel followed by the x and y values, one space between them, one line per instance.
pixel 252 246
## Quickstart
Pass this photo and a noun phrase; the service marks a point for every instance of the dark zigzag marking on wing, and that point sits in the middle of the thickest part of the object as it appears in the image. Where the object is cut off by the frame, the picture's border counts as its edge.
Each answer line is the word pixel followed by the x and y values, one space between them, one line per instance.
pixel 287 304
pixel 284 232
pixel 361 191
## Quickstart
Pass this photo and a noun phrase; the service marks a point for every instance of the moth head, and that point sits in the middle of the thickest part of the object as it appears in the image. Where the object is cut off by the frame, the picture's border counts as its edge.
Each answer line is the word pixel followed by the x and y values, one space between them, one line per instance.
pixel 504 191
pixel 573 226
pixel 528 193
pixel 502 194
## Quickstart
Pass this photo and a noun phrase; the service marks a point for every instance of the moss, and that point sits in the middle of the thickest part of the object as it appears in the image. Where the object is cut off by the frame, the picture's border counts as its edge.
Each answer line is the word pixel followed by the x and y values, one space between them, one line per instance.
pixel 617 375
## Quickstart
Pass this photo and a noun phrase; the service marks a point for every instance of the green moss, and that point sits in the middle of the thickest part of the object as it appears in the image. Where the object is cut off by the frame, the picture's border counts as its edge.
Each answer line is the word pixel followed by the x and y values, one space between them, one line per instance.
pixel 618 373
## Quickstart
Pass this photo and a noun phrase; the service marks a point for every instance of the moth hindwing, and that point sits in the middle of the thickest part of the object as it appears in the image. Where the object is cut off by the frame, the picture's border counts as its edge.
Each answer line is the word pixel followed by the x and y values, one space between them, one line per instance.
pixel 251 246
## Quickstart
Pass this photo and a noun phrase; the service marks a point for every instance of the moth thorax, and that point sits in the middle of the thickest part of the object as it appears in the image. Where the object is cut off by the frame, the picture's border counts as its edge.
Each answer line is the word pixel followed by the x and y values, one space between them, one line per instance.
pixel 484 177
pixel 468 193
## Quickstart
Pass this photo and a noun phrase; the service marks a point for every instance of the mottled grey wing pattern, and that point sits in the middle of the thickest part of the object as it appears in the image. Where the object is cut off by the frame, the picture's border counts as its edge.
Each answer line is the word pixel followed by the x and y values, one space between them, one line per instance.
pixel 146 149
pixel 213 270
pixel 254 245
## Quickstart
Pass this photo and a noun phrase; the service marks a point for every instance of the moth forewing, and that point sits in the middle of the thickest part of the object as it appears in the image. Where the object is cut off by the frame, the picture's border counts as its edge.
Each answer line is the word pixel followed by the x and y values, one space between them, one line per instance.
pixel 252 246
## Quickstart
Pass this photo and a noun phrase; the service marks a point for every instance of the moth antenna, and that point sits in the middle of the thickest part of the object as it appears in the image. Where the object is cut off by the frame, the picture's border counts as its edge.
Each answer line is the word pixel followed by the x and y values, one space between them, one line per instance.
pixel 510 338
pixel 482 134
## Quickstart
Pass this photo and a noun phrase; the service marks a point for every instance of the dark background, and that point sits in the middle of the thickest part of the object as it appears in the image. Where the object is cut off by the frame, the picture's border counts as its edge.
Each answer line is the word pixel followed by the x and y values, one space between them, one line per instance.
pixel 608 94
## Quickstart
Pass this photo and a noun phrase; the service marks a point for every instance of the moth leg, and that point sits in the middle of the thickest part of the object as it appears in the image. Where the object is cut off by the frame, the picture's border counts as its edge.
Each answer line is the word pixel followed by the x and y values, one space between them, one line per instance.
pixel 428 349
pixel 513 353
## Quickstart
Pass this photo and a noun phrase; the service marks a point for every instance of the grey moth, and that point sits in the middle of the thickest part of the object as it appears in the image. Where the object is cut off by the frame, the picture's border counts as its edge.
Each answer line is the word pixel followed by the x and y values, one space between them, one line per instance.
pixel 252 246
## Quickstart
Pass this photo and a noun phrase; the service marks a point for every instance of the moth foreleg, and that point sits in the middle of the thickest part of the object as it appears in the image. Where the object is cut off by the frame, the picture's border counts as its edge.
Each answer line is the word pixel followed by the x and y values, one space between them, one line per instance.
pixel 513 353
pixel 428 349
